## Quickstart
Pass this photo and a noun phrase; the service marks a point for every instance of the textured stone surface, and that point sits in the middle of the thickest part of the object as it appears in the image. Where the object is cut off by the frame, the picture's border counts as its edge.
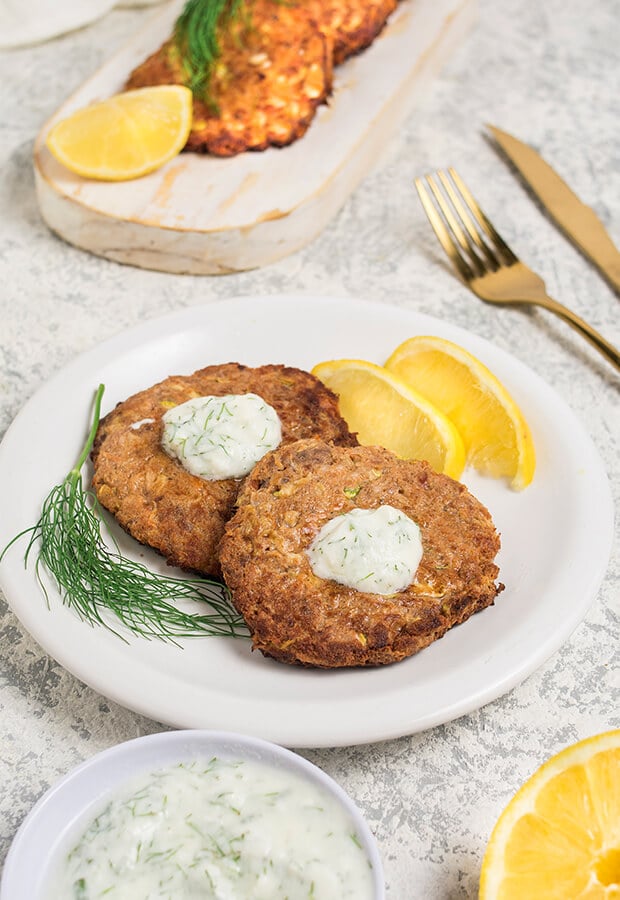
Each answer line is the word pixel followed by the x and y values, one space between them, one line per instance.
pixel 546 72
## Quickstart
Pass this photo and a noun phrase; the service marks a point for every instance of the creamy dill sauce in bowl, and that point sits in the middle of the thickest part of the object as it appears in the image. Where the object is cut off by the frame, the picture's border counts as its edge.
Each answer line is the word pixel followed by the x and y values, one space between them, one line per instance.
pixel 263 824
pixel 218 829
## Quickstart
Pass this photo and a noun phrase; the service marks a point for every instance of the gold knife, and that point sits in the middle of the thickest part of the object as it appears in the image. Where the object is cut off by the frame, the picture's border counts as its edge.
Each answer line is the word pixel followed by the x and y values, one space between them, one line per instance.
pixel 575 219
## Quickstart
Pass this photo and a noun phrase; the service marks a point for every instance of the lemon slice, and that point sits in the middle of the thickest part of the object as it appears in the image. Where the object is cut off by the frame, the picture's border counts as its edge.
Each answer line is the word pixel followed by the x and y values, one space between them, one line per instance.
pixel 559 837
pixel 126 136
pixel 497 438
pixel 384 411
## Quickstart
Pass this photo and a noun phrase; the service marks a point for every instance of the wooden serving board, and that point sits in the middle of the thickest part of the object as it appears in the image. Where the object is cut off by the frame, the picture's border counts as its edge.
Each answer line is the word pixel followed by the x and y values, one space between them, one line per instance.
pixel 207 215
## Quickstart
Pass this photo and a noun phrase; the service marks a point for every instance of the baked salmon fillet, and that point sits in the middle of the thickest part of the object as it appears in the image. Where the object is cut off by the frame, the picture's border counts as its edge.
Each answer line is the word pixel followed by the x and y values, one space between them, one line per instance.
pixel 351 25
pixel 274 69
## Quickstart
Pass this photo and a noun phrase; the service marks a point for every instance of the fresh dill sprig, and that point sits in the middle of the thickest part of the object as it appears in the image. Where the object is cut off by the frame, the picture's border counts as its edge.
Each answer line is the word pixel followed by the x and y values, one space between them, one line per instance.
pixel 95 580
pixel 196 37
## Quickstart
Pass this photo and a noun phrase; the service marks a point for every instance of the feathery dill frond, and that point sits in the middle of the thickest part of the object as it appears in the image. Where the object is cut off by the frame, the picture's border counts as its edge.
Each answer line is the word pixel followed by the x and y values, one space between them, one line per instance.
pixel 95 580
pixel 196 37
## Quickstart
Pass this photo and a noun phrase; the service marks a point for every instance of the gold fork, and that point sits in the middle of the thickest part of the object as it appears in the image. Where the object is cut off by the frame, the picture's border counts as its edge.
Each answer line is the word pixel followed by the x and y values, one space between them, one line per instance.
pixel 485 262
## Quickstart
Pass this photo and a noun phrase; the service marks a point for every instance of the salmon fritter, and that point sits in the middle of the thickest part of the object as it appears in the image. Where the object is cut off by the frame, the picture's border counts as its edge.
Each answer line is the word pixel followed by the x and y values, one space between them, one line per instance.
pixel 297 617
pixel 154 498
pixel 273 71
pixel 351 25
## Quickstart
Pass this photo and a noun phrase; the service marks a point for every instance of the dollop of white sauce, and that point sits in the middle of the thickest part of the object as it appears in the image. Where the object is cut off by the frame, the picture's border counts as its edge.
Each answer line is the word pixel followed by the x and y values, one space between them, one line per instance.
pixel 220 829
pixel 221 437
pixel 376 551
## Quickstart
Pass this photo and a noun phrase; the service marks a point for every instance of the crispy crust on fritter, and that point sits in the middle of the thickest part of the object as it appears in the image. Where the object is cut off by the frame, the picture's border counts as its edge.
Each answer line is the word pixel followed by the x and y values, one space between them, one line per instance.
pixel 275 68
pixel 158 501
pixel 296 617
pixel 351 25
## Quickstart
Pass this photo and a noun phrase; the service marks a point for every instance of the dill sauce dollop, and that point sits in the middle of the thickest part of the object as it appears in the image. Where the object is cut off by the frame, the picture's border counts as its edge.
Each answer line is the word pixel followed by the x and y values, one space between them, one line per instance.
pixel 218 830
pixel 221 437
pixel 376 551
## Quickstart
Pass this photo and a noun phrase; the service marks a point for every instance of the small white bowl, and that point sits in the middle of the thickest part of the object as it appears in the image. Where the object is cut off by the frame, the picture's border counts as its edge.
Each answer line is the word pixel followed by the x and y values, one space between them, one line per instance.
pixel 70 804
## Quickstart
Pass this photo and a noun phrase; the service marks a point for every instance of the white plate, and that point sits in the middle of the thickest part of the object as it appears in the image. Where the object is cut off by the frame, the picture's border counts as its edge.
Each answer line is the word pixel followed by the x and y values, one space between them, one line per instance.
pixel 556 538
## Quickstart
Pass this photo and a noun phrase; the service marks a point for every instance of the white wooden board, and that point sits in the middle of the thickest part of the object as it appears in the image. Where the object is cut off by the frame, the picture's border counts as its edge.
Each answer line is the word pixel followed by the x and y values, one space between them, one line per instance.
pixel 205 215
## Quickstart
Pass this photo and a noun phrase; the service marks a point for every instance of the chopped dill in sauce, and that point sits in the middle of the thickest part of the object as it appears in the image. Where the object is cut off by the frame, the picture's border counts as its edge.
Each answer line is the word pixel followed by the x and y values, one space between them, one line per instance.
pixel 221 437
pixel 222 829
pixel 376 551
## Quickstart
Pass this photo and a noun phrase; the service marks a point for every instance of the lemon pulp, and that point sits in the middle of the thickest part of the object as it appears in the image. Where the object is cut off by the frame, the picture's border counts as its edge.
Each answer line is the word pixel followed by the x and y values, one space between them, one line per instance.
pixel 497 438
pixel 385 412
pixel 126 136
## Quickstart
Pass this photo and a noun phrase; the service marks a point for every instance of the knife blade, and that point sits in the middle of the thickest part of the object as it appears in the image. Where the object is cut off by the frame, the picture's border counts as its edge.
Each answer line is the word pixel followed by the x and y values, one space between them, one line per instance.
pixel 578 221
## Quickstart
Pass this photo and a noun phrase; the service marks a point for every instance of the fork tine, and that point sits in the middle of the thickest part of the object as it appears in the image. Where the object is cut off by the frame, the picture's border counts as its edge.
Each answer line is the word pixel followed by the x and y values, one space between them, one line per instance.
pixel 482 220
pixel 471 248
pixel 444 236
pixel 453 223
pixel 478 244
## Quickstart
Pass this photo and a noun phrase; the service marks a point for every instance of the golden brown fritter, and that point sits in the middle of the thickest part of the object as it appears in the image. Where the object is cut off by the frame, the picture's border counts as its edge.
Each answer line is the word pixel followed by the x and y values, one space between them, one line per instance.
pixel 274 69
pixel 297 617
pixel 352 25
pixel 158 501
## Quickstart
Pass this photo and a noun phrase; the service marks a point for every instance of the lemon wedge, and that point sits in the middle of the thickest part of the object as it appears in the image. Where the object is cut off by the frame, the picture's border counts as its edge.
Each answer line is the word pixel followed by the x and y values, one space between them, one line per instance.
pixel 559 837
pixel 497 438
pixel 126 136
pixel 385 412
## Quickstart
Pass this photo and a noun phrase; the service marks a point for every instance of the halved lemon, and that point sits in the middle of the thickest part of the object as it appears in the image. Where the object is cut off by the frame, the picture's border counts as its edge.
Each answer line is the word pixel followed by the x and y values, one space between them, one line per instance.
pixel 497 438
pixel 559 837
pixel 385 412
pixel 126 136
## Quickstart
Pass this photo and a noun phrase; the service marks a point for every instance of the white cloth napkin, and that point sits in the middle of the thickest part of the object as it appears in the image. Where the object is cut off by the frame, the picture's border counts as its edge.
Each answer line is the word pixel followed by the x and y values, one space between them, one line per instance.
pixel 25 22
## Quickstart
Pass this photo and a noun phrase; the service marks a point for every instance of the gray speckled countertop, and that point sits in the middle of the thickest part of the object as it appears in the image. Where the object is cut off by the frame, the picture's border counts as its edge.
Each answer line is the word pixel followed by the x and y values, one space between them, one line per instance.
pixel 547 72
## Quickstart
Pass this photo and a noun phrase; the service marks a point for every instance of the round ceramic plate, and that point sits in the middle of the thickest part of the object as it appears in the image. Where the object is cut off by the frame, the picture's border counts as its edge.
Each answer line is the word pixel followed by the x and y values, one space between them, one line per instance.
pixel 556 538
